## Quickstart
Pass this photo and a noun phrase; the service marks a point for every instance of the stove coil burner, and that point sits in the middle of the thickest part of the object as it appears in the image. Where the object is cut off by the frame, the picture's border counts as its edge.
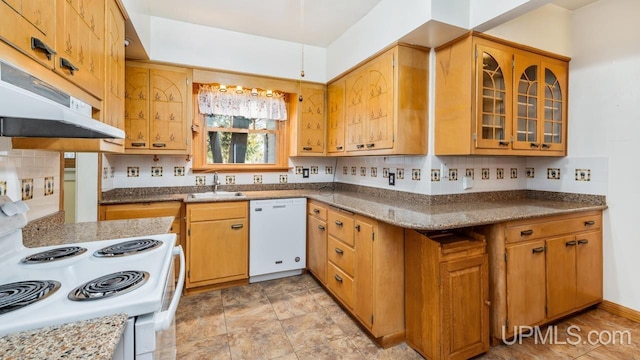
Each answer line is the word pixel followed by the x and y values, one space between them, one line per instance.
pixel 17 295
pixel 109 285
pixel 128 248
pixel 54 254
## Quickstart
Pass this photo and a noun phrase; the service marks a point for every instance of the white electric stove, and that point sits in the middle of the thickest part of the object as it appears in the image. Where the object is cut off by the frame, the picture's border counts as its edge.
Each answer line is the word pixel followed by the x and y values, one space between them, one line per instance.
pixel 59 284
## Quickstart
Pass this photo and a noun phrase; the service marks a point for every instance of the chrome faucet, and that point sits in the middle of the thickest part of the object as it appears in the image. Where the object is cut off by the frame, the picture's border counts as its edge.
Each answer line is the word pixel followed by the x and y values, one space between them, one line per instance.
pixel 216 182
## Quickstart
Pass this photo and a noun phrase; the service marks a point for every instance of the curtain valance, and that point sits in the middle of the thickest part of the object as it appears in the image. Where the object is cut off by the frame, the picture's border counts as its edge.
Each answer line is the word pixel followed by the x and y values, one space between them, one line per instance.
pixel 247 103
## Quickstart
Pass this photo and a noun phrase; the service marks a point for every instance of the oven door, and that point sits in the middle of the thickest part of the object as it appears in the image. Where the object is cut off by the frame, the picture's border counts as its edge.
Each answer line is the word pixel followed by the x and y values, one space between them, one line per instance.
pixel 155 334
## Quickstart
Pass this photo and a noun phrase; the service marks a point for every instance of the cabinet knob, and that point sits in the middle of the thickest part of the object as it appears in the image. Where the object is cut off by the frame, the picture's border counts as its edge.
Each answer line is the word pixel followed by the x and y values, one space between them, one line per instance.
pixel 487 302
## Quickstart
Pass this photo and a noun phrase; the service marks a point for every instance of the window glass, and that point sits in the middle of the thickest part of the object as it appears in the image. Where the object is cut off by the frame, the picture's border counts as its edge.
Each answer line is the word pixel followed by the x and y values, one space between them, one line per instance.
pixel 239 140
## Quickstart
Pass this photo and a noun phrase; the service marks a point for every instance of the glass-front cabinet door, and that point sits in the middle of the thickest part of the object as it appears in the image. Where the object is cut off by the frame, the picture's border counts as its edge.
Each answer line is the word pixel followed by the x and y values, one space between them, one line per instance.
pixel 527 103
pixel 493 80
pixel 554 123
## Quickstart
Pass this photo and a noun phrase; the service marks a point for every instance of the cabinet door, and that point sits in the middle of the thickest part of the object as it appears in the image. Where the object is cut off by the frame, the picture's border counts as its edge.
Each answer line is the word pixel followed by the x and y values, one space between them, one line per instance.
pixel 561 275
pixel 317 247
pixel 379 102
pixel 527 98
pixel 80 43
pixel 114 76
pixel 136 102
pixel 28 22
pixel 493 91
pixel 335 117
pixel 465 313
pixel 588 268
pixel 526 294
pixel 311 136
pixel 168 93
pixel 363 278
pixel 355 110
pixel 218 251
pixel 553 125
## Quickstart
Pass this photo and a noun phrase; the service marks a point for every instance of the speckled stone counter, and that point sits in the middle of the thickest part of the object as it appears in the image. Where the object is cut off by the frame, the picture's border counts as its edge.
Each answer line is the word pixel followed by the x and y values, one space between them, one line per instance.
pixel 88 339
pixel 94 231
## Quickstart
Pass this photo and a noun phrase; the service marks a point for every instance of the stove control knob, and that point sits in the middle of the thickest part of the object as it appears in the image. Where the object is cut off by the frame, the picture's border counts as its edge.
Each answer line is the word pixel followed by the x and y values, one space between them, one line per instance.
pixel 9 208
pixel 22 207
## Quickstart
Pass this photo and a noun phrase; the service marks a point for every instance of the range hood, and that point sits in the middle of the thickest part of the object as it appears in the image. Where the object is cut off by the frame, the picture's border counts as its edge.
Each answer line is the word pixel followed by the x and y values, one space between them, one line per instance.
pixel 30 107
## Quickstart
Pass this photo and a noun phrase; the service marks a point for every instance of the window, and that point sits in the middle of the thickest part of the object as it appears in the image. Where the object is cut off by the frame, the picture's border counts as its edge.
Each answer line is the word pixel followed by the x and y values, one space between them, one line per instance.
pixel 232 135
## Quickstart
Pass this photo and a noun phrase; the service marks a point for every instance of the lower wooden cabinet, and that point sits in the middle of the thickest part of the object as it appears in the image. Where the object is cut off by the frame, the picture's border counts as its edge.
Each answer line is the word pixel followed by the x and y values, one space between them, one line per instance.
pixel 446 294
pixel 317 240
pixel 363 268
pixel 543 269
pixel 217 243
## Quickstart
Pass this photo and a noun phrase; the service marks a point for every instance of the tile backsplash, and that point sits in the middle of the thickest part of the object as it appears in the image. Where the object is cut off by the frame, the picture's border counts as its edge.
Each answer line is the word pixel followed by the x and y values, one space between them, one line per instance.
pixel 32 176
pixel 431 175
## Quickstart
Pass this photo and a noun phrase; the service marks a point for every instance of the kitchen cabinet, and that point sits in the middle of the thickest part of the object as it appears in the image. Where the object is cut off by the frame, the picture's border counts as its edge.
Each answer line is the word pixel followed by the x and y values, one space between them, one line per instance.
pixel 80 41
pixel 365 263
pixel 447 294
pixel 385 105
pixel 157 109
pixel 317 240
pixel 30 27
pixel 516 95
pixel 543 269
pixel 309 131
pixel 336 117
pixel 217 244
pixel 114 67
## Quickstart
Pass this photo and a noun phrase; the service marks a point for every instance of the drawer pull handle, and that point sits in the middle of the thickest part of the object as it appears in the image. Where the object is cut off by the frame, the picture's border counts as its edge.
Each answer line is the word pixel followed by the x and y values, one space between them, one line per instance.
pixel 503 143
pixel 546 146
pixel 237 226
pixel 338 222
pixel 159 145
pixel 360 146
pixel 570 243
pixel 535 145
pixel 537 250
pixel 339 251
pixel 370 146
pixel 316 211
pixel 583 242
pixel 138 144
pixel 66 64
pixel 338 278
pixel 321 227
pixel 40 45
pixel 589 223
pixel 307 148
pixel 526 232
pixel 339 147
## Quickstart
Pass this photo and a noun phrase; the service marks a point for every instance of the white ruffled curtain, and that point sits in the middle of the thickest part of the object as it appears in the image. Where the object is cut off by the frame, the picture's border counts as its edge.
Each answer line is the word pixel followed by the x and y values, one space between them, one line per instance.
pixel 212 101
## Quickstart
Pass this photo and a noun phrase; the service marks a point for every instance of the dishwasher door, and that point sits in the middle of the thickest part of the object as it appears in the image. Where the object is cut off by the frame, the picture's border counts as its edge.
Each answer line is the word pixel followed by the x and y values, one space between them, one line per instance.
pixel 277 238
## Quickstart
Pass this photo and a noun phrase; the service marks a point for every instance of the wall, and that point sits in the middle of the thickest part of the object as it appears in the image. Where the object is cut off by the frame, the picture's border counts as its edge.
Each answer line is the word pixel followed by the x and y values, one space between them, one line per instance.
pixel 606 122
pixel 31 176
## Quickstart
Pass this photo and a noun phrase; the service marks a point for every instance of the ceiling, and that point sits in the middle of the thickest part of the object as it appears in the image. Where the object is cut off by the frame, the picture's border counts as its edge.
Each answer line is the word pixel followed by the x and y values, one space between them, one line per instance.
pixel 320 24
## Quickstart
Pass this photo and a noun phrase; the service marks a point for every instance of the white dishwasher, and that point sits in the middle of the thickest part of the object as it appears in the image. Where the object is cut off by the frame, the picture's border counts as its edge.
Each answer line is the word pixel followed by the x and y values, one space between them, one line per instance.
pixel 277 238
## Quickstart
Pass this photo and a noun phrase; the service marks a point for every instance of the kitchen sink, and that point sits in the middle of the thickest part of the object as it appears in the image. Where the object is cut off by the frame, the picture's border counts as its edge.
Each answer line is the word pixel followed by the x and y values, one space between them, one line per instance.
pixel 218 195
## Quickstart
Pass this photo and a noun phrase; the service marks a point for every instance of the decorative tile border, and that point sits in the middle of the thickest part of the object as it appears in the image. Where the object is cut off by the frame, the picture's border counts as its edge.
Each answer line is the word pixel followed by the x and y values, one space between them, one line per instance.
pixel 328 169
pixel 385 173
pixel 113 172
pixel 469 173
pixel 499 173
pixel 314 170
pixel 514 173
pixel 363 171
pixel 257 179
pixel 230 180
pixel 453 174
pixel 133 171
pixel 3 187
pixel 354 170
pixel 374 171
pixel 201 180
pixel 105 173
pixel 178 171
pixel 553 173
pixel 298 170
pixel 415 174
pixel 530 173
pixel 435 174
pixel 485 173
pixel 345 170
pixel 399 173
pixel 283 179
pixel 156 171
pixel 583 174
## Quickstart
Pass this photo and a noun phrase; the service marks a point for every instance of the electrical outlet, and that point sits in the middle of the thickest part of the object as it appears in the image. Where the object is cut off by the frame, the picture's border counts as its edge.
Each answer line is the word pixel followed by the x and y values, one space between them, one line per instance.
pixel 392 179
pixel 467 182
pixel 305 173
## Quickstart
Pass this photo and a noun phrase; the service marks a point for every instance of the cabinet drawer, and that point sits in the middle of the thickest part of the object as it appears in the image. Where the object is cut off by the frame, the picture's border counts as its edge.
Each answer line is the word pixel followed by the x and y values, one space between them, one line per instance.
pixel 217 211
pixel 552 227
pixel 341 255
pixel 340 284
pixel 143 210
pixel 315 209
pixel 341 226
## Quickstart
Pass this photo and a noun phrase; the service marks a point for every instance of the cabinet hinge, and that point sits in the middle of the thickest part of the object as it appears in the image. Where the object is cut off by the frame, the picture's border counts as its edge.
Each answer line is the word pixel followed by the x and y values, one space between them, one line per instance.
pixel 393 61
pixel 373 236
pixel 186 80
pixel 513 63
pixel 371 318
pixel 475 137
pixel 189 232
pixel 189 274
pixel 505 257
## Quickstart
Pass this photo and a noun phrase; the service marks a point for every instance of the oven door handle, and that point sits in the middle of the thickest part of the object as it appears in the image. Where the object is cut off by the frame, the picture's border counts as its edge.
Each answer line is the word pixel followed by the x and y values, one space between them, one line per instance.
pixel 164 318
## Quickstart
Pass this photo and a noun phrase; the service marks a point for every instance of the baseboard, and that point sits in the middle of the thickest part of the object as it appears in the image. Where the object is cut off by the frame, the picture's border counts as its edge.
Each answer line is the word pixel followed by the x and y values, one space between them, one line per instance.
pixel 620 310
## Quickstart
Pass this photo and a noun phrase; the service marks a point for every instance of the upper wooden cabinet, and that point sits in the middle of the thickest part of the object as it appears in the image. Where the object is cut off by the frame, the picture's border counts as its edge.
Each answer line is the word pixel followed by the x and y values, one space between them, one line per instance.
pixel 309 133
pixel 80 43
pixel 516 96
pixel 30 27
pixel 114 66
pixel 384 107
pixel 157 109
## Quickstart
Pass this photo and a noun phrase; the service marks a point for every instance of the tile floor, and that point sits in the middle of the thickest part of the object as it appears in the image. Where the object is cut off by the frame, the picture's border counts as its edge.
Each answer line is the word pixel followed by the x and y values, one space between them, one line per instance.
pixel 294 318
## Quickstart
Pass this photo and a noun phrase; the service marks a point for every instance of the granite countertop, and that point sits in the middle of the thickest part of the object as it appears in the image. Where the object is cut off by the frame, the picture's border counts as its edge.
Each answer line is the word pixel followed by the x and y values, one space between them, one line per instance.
pixel 94 231
pixel 417 211
pixel 88 339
